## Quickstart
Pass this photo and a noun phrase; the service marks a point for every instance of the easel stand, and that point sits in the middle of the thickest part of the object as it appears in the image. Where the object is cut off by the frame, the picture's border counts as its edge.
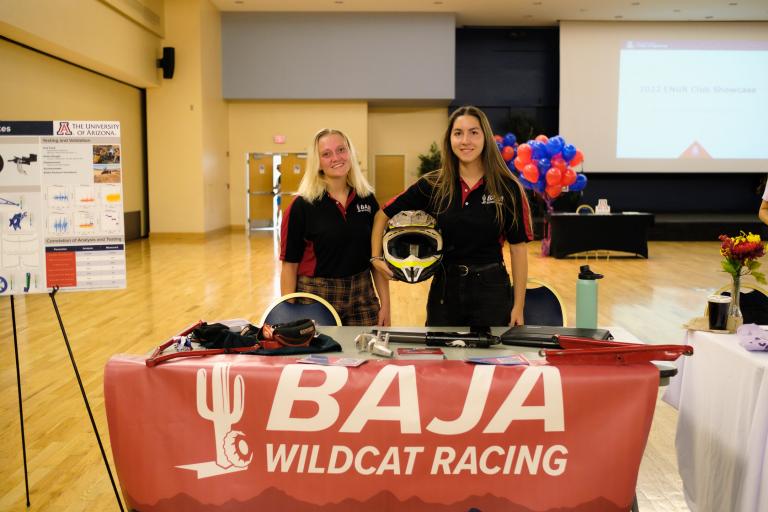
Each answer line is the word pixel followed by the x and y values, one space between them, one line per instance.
pixel 52 294
pixel 18 388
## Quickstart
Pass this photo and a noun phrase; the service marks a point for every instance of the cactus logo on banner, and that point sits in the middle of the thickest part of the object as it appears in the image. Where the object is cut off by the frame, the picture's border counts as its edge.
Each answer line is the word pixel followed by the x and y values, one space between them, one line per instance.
pixel 232 451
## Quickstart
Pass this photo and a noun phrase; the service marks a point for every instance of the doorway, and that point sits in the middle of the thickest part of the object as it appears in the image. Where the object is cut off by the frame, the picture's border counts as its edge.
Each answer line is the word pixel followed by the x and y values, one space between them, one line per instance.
pixel 273 180
pixel 389 176
pixel 292 169
pixel 261 191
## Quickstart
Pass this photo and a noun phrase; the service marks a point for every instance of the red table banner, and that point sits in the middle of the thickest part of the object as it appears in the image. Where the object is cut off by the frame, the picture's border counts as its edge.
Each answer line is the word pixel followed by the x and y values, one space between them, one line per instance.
pixel 239 432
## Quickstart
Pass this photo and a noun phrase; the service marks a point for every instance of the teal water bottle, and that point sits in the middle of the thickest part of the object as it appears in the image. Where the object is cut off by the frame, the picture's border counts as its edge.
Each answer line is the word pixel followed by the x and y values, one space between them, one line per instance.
pixel 586 298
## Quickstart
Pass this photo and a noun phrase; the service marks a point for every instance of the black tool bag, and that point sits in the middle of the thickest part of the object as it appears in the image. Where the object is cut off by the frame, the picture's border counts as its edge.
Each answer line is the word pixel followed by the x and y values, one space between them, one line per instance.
pixel 290 338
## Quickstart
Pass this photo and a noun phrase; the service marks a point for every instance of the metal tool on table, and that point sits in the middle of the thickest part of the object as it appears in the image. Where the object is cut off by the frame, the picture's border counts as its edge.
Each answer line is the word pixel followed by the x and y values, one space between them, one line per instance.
pixel 576 350
pixel 478 337
pixel 554 347
pixel 375 343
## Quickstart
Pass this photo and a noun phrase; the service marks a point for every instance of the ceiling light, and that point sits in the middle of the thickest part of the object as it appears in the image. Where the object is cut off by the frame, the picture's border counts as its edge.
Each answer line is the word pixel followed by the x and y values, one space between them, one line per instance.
pixel 619 17
pixel 708 17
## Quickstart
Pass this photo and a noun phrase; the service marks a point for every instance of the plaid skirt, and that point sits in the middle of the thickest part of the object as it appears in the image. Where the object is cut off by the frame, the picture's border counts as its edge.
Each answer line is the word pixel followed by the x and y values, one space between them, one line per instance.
pixel 353 297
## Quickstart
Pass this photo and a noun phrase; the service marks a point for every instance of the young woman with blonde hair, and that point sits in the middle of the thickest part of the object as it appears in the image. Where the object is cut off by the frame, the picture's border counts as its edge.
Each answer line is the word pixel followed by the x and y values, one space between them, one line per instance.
pixel 479 205
pixel 325 234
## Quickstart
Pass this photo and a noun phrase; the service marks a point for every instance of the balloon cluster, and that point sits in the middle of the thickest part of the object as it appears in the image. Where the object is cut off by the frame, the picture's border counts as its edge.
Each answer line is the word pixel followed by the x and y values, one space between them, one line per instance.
pixel 547 165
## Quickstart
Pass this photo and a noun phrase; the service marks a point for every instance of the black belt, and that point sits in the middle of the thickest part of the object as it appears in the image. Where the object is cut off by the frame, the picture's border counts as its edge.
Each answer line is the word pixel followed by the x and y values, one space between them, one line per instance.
pixel 465 270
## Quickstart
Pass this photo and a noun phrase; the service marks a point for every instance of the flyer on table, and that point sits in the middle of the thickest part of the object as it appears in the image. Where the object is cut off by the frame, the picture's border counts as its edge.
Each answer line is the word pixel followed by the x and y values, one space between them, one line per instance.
pixel 61 206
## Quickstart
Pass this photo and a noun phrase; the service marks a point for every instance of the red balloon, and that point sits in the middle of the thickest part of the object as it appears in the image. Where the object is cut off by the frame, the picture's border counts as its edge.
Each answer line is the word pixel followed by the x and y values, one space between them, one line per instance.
pixel 554 190
pixel 524 153
pixel 498 138
pixel 531 173
pixel 577 158
pixel 519 164
pixel 542 138
pixel 554 177
pixel 508 153
pixel 569 177
pixel 559 163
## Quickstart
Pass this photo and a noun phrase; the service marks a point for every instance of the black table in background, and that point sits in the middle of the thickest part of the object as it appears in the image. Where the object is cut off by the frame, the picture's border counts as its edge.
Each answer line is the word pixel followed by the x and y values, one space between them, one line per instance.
pixel 573 233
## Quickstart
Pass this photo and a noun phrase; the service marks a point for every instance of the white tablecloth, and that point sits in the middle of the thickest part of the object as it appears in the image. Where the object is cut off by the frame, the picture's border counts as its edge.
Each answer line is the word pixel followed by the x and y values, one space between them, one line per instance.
pixel 721 393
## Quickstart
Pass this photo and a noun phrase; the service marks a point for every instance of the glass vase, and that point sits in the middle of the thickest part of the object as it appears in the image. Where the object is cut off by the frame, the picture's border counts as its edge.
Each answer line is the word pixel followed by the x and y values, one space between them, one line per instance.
pixel 735 310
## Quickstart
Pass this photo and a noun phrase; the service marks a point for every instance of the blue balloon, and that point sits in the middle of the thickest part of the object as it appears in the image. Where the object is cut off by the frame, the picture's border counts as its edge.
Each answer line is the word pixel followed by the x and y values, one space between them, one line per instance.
pixel 499 145
pixel 540 186
pixel 526 184
pixel 569 151
pixel 538 150
pixel 579 184
pixel 543 164
pixel 510 139
pixel 555 145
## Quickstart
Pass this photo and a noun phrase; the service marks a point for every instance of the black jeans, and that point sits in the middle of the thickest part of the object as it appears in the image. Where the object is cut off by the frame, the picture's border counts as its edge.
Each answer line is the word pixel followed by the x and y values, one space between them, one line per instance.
pixel 476 296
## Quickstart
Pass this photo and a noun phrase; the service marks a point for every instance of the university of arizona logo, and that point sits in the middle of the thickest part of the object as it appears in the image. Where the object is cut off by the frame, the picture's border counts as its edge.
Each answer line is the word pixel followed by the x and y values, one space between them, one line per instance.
pixel 232 451
pixel 64 128
pixel 491 199
pixel 363 208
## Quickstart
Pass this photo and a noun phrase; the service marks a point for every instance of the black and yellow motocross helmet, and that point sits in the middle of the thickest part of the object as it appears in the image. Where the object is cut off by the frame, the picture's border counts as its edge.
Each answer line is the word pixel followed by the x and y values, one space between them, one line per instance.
pixel 413 246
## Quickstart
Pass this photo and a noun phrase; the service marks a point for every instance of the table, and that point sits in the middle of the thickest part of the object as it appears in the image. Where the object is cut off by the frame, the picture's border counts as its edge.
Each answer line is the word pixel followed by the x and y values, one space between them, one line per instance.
pixel 573 233
pixel 264 433
pixel 721 394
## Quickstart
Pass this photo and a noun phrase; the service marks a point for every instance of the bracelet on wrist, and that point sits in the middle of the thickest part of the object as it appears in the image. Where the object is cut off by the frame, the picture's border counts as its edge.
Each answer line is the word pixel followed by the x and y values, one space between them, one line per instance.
pixel 374 258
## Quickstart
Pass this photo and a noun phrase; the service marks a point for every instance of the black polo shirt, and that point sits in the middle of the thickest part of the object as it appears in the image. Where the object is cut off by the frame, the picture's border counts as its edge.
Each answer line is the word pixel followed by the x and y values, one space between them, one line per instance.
pixel 326 238
pixel 471 235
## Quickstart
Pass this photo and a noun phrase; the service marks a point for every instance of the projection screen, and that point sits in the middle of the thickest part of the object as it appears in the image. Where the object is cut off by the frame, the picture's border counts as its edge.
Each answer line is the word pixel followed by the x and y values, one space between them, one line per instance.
pixel 666 97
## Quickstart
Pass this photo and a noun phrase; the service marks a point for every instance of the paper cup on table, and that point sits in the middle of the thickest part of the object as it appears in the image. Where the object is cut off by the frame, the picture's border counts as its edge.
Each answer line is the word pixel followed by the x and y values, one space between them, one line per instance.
pixel 717 311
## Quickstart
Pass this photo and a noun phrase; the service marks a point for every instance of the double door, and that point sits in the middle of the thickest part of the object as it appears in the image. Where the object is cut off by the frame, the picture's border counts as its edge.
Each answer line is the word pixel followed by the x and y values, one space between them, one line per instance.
pixel 273 179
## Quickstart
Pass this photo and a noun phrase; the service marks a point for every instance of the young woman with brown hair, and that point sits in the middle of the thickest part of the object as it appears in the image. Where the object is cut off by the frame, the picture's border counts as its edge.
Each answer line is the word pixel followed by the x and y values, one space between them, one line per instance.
pixel 479 205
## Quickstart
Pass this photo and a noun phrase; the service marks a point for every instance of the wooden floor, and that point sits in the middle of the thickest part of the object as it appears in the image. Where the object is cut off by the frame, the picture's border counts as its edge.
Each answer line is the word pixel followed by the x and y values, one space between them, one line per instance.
pixel 173 283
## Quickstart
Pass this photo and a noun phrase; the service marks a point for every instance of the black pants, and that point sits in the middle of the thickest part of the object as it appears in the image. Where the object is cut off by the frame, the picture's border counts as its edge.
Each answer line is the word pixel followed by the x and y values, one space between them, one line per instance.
pixel 475 296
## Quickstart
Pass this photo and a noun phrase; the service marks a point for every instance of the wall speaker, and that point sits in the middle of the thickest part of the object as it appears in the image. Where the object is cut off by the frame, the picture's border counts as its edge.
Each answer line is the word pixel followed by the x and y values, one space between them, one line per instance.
pixel 168 62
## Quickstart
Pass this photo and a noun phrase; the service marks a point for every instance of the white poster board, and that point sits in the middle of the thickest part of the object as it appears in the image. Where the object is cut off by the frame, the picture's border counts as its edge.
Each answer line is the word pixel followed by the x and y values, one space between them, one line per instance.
pixel 61 206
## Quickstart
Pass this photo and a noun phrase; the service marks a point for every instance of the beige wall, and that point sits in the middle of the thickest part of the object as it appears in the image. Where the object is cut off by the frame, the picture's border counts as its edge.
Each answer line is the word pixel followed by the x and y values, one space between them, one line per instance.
pixel 215 122
pixel 194 186
pixel 253 123
pixel 41 88
pixel 405 131
pixel 187 127
pixel 174 130
pixel 85 32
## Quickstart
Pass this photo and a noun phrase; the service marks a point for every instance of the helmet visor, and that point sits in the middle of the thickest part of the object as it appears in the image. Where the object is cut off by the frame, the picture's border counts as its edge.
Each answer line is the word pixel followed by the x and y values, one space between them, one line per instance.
pixel 412 244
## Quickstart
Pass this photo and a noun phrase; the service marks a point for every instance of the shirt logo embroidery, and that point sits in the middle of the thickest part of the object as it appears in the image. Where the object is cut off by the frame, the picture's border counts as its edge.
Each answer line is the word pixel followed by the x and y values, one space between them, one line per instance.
pixel 363 208
pixel 490 199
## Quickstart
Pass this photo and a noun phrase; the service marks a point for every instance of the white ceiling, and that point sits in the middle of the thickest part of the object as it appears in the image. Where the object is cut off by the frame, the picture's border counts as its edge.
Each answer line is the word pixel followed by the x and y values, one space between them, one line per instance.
pixel 526 12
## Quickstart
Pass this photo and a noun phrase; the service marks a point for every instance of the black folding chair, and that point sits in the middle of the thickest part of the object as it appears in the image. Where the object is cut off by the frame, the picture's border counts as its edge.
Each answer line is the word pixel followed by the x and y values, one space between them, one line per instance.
pixel 753 301
pixel 295 306
pixel 543 305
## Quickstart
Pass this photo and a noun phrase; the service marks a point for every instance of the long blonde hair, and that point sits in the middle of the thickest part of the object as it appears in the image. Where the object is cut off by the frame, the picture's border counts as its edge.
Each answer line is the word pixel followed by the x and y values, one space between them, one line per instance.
pixel 443 181
pixel 313 184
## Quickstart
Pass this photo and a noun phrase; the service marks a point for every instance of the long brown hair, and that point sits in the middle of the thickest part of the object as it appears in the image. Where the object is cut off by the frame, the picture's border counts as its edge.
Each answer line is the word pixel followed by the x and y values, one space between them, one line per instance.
pixel 443 181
